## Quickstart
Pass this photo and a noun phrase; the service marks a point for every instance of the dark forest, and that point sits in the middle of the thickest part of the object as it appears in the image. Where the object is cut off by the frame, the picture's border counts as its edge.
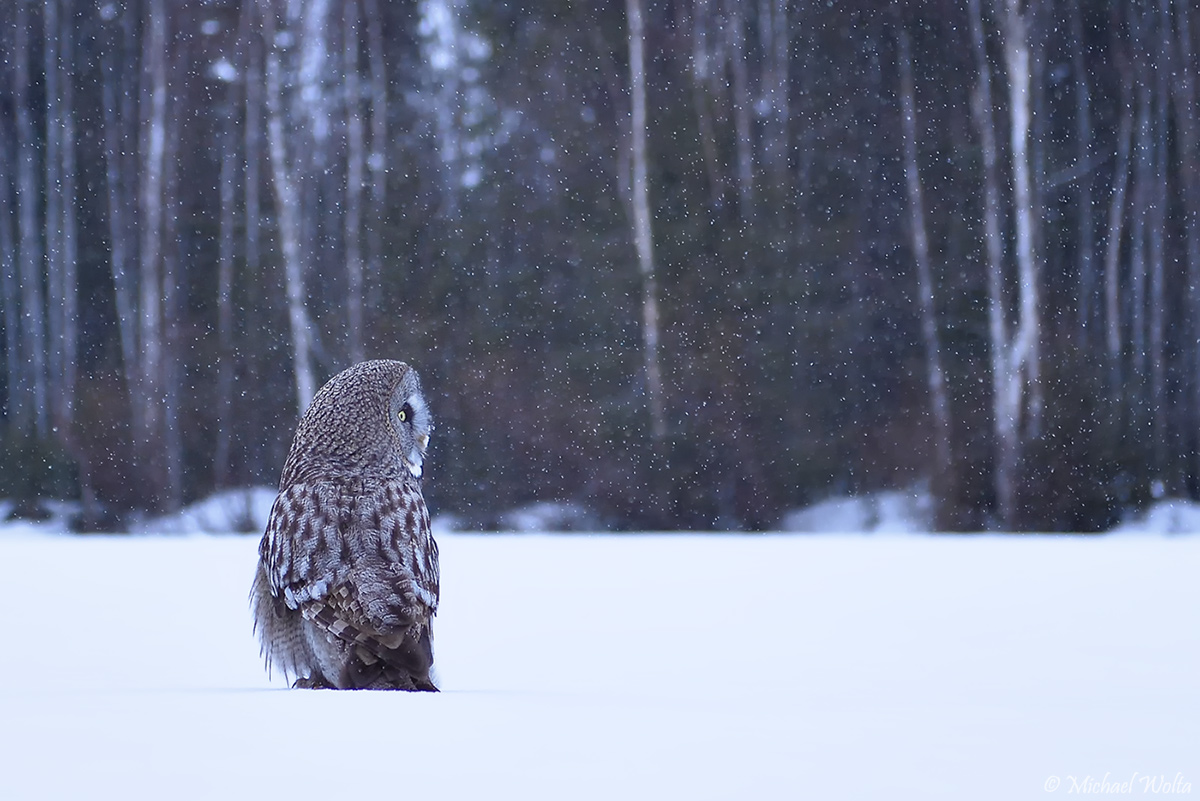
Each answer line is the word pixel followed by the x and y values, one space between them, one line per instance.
pixel 686 263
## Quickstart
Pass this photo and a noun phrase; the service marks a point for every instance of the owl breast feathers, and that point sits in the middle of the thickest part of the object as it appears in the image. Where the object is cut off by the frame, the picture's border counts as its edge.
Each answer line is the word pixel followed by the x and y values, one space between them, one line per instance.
pixel 347 580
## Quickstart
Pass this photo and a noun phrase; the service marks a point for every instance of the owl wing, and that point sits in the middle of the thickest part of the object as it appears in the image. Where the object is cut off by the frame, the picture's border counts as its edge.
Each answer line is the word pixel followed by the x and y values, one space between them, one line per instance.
pixel 363 567
pixel 304 551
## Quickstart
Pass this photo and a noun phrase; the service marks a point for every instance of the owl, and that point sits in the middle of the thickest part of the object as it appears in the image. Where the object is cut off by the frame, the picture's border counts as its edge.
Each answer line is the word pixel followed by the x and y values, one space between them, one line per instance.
pixel 347 580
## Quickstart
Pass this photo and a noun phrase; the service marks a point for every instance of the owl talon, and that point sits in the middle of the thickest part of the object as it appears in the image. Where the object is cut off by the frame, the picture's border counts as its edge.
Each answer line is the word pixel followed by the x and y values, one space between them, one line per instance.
pixel 311 683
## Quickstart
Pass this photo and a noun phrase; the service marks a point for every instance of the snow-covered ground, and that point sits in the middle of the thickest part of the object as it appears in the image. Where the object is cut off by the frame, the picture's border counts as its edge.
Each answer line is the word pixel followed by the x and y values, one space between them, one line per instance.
pixel 606 667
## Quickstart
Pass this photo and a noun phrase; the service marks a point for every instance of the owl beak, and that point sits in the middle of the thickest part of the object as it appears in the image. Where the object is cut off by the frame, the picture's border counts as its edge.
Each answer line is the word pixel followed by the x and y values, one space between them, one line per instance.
pixel 415 459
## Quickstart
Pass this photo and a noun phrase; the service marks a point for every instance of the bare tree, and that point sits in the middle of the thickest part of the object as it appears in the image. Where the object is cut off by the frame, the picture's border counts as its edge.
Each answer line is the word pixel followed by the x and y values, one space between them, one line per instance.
pixel 1143 168
pixel 117 64
pixel 1159 402
pixel 1026 346
pixel 775 35
pixel 173 282
pixel 226 248
pixel 149 418
pixel 60 219
pixel 939 400
pixel 377 158
pixel 1085 226
pixel 288 209
pixel 742 108
pixel 1188 155
pixel 52 216
pixel 1116 223
pixel 10 288
pixel 355 168
pixel 29 395
pixel 697 22
pixel 640 203
pixel 1016 392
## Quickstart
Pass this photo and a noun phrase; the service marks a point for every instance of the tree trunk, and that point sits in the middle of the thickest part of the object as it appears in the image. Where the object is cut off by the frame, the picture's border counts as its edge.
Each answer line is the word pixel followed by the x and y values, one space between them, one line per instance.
pixel 52 216
pixel 1138 235
pixel 148 415
pixel 700 64
pixel 640 202
pixel 29 395
pixel 60 227
pixel 1026 355
pixel 224 422
pixel 1014 356
pixel 10 285
pixel 1112 245
pixel 1159 402
pixel 775 36
pixel 174 279
pixel 1087 282
pixel 939 400
pixel 377 159
pixel 1188 156
pixel 70 247
pixel 288 210
pixel 1003 416
pixel 116 61
pixel 742 109
pixel 355 164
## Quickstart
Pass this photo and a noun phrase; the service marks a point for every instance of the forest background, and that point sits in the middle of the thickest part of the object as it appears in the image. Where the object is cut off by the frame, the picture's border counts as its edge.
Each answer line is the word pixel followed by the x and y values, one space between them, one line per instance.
pixel 687 263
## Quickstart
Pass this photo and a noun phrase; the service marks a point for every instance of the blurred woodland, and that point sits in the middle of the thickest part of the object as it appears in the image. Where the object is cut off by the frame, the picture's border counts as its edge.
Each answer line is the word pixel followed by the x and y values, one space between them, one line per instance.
pixel 689 263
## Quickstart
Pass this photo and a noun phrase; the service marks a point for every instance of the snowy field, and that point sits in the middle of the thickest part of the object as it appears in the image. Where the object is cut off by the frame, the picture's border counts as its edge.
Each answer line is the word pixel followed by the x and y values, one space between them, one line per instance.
pixel 610 667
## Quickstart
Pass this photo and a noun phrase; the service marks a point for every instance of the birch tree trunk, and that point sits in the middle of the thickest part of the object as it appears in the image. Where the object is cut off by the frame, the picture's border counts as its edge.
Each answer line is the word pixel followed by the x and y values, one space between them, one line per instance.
pixel 258 461
pixel 252 155
pixel 1115 227
pixel 52 215
pixel 640 202
pixel 1009 350
pixel 288 210
pixel 1026 355
pixel 939 400
pixel 377 158
pixel 224 423
pixel 355 167
pixel 150 397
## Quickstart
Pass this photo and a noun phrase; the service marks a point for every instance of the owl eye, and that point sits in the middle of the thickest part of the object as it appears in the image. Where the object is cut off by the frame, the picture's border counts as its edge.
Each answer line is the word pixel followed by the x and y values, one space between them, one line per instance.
pixel 405 413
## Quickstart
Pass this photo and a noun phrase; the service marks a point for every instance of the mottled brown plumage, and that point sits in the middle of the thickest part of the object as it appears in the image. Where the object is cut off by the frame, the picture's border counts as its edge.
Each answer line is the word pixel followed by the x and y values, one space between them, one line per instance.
pixel 347 581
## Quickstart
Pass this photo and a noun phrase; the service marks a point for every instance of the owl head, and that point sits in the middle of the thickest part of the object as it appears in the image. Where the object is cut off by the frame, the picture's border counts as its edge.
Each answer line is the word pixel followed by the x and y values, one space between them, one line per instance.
pixel 369 421
pixel 409 416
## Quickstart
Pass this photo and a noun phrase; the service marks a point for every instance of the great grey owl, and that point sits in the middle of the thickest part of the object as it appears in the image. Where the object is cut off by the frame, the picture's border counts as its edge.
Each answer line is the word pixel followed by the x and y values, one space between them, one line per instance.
pixel 347 582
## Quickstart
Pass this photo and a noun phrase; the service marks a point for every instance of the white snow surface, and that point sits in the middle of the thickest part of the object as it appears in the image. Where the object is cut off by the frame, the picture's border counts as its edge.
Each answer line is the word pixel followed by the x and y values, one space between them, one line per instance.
pixel 245 510
pixel 1172 516
pixel 890 512
pixel 621 667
